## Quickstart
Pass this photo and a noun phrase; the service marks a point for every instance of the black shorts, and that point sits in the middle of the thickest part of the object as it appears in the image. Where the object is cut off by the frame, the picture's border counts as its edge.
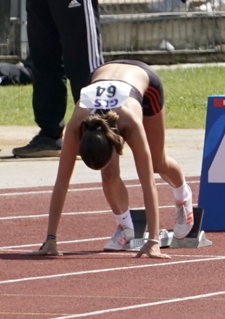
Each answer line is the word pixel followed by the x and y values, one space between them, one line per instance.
pixel 153 99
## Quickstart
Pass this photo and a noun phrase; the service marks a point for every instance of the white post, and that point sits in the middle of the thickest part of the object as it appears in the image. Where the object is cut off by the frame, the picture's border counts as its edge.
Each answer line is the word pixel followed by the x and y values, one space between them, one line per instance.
pixel 23 30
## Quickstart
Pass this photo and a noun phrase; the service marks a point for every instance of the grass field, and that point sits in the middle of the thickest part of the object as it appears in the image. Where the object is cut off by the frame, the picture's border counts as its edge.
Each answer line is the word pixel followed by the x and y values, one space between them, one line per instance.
pixel 186 91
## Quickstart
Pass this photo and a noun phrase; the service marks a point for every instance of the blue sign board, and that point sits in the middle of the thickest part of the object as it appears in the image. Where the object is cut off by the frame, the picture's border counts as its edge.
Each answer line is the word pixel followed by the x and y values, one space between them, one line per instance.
pixel 212 182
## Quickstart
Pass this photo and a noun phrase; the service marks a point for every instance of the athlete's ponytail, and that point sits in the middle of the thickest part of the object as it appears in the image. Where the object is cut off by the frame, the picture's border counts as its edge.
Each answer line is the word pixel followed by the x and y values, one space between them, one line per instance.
pixel 98 137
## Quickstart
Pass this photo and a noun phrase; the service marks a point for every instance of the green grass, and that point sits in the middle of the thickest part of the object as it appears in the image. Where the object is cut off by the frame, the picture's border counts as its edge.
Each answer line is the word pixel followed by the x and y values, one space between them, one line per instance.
pixel 16 105
pixel 186 92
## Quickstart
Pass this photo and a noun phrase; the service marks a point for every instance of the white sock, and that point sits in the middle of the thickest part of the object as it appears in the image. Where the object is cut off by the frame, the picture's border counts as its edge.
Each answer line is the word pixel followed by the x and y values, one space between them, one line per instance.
pixel 125 219
pixel 181 193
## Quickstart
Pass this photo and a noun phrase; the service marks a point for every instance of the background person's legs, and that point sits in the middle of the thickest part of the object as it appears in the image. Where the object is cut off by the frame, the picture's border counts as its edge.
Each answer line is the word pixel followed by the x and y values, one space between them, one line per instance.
pixel 59 34
pixel 81 41
pixel 49 80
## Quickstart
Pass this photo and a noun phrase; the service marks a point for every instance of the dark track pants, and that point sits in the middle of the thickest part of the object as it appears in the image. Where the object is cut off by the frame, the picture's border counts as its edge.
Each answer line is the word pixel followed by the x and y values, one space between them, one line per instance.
pixel 64 42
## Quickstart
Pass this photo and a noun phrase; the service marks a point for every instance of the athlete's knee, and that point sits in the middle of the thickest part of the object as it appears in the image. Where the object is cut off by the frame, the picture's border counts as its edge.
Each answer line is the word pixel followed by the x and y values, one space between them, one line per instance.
pixel 159 165
pixel 109 176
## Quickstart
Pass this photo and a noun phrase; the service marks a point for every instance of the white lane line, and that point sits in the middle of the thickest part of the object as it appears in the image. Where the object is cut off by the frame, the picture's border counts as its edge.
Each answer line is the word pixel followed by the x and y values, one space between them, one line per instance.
pixel 48 191
pixel 121 253
pixel 77 189
pixel 58 243
pixel 99 312
pixel 63 214
pixel 104 253
pixel 95 271
pixel 199 256
pixel 76 213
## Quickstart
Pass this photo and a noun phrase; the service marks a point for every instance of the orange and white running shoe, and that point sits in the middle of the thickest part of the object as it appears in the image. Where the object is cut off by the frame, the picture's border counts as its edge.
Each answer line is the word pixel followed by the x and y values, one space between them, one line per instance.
pixel 184 218
pixel 121 236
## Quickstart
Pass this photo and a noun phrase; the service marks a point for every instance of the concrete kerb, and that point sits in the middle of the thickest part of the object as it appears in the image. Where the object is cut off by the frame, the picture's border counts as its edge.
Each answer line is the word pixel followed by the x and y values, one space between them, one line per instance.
pixel 184 145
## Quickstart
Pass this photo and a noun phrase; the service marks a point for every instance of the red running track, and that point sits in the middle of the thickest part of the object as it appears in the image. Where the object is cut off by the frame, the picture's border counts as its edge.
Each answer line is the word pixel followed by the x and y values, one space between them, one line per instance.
pixel 85 281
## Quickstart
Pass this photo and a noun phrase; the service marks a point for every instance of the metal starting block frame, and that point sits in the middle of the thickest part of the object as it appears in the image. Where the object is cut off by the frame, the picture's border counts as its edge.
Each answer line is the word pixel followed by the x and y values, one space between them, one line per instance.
pixel 195 239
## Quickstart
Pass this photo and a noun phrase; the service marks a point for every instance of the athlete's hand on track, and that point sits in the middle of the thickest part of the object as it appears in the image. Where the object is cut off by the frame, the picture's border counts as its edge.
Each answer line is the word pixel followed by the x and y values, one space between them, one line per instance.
pixel 152 250
pixel 48 248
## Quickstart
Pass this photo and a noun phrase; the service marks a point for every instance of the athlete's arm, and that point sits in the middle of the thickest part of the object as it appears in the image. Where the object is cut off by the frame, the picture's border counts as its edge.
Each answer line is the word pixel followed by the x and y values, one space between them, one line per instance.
pixel 66 166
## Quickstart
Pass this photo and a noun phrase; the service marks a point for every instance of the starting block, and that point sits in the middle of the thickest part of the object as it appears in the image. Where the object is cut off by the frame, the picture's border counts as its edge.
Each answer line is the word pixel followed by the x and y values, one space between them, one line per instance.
pixel 141 235
pixel 195 239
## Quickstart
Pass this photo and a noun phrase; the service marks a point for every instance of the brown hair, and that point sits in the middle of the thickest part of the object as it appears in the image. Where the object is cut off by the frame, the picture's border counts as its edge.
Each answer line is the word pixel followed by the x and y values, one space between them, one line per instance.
pixel 98 138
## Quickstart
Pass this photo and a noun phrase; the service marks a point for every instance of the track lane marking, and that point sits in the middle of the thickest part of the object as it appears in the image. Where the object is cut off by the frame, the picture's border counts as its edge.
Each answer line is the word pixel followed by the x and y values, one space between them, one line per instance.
pixel 95 271
pixel 80 189
pixel 58 243
pixel 99 312
pixel 77 213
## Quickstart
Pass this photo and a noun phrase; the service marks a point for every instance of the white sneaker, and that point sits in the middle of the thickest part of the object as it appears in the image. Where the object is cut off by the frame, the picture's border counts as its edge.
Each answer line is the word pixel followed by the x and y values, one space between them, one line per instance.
pixel 184 218
pixel 121 236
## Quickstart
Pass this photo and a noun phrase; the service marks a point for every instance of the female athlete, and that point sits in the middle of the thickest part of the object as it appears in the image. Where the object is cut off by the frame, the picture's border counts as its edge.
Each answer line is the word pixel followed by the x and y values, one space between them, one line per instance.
pixel 123 102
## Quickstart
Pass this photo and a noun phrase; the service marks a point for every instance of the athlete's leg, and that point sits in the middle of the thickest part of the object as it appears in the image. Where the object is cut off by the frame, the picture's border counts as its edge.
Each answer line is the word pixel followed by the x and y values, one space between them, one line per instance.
pixel 170 171
pixel 113 186
pixel 164 165
pixel 117 197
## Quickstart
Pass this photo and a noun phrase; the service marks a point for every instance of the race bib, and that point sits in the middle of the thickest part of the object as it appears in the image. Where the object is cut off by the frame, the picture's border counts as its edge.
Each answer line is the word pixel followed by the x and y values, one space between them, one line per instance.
pixel 104 95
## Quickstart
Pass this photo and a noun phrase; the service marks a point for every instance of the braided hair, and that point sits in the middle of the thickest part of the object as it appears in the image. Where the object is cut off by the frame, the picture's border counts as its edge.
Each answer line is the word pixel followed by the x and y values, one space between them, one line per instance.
pixel 98 138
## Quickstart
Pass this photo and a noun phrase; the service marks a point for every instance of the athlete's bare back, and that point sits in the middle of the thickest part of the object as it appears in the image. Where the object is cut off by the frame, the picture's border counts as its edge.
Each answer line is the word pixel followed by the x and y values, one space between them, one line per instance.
pixel 131 74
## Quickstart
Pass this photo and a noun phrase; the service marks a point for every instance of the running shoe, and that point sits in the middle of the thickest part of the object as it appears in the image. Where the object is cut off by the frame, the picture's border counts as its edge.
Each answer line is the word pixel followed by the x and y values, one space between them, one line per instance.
pixel 40 146
pixel 120 238
pixel 184 218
